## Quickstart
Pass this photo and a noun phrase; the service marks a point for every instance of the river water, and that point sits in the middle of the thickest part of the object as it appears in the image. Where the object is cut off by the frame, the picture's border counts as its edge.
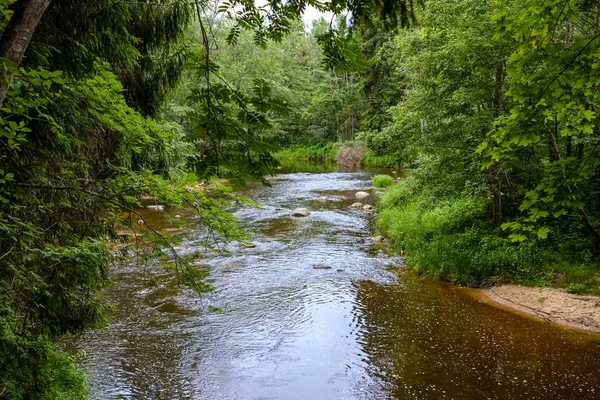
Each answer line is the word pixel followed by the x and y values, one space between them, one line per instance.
pixel 364 329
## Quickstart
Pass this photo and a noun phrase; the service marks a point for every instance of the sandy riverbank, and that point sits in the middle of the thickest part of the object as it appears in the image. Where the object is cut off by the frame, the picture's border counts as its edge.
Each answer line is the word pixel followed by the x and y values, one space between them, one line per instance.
pixel 550 304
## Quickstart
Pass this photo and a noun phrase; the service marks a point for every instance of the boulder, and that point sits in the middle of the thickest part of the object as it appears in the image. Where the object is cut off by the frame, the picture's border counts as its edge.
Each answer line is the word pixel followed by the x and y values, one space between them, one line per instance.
pixel 367 207
pixel 361 195
pixel 300 212
pixel 357 205
pixel 249 245
pixel 156 207
pixel 321 266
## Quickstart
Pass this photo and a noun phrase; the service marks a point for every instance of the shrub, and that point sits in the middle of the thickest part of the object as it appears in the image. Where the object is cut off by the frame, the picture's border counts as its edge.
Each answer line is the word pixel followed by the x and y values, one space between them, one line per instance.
pixel 454 239
pixel 351 156
pixel 383 180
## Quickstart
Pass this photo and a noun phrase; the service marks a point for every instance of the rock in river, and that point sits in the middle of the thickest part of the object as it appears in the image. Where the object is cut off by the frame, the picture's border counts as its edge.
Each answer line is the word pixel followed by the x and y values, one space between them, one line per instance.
pixel 321 266
pixel 300 212
pixel 357 205
pixel 361 195
pixel 367 207
pixel 157 207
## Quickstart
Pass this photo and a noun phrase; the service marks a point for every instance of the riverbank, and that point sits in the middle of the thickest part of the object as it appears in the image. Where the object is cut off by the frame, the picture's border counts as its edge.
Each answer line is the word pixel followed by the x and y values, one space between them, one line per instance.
pixel 328 153
pixel 553 305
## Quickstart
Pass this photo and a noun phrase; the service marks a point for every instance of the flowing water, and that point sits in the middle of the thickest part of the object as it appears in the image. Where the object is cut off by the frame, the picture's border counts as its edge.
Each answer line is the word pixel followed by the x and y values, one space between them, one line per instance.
pixel 364 329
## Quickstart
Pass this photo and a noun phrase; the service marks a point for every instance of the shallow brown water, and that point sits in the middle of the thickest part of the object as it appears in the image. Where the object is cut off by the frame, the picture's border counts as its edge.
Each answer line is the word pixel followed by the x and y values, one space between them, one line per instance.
pixel 289 331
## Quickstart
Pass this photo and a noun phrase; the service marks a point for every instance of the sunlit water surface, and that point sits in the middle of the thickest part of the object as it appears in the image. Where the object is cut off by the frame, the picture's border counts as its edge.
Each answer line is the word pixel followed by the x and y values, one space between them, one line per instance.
pixel 364 329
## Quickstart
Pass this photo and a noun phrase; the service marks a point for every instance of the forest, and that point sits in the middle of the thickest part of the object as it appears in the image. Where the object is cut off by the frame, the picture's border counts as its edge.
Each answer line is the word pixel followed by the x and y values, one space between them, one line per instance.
pixel 487 107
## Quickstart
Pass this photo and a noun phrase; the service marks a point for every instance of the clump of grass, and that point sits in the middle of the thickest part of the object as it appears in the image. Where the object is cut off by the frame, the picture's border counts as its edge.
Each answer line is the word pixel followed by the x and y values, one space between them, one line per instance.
pixel 383 180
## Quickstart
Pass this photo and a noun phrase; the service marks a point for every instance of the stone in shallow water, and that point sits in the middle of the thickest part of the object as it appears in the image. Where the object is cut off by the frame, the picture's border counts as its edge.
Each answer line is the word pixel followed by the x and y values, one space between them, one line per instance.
pixel 322 198
pixel 367 207
pixel 378 239
pixel 300 212
pixel 321 266
pixel 361 195
pixel 157 207
pixel 357 205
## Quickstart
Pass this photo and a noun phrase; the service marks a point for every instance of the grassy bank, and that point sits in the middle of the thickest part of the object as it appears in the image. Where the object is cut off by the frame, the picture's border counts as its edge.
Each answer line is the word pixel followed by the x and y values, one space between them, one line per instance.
pixel 454 240
pixel 314 153
pixel 328 153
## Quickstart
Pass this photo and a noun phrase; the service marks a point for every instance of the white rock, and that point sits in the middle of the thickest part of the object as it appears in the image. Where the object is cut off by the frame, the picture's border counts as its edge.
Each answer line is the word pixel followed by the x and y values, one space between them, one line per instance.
pixel 178 216
pixel 361 195
pixel 322 198
pixel 367 207
pixel 357 205
pixel 378 239
pixel 300 212
pixel 156 207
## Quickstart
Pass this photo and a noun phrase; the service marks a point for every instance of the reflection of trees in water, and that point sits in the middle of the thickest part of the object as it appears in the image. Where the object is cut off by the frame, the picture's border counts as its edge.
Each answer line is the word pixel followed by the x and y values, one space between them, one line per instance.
pixel 141 353
pixel 429 340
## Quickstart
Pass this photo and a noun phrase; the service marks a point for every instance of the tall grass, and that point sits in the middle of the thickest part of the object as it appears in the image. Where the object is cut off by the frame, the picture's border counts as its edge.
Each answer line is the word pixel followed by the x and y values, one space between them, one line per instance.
pixel 454 240
pixel 314 153
pixel 351 155
pixel 383 180
pixel 386 161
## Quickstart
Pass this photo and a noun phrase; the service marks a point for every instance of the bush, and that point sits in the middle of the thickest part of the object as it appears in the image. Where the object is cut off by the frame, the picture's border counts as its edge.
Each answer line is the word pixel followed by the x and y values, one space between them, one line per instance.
pixel 383 180
pixel 351 156
pixel 454 240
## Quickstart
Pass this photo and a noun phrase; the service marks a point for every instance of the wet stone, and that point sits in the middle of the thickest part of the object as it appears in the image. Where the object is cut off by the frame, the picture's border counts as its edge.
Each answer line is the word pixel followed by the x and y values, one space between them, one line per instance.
pixel 300 212
pixel 357 205
pixel 361 195
pixel 321 266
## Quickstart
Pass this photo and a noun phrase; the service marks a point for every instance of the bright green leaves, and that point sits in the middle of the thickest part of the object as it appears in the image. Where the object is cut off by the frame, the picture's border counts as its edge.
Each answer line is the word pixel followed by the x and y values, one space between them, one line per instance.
pixel 552 80
pixel 230 131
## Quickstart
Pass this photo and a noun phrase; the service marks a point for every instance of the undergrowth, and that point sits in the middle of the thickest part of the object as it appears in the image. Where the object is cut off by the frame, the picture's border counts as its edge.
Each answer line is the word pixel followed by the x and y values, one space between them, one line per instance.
pixel 454 240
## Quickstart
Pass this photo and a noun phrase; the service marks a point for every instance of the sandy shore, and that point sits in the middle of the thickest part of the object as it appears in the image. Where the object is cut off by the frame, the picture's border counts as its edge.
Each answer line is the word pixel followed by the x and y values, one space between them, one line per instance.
pixel 550 304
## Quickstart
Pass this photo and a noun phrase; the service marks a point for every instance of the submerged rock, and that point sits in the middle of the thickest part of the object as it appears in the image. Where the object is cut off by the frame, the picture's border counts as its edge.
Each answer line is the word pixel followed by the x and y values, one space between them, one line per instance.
pixel 321 266
pixel 357 205
pixel 361 195
pixel 361 281
pixel 156 207
pixel 300 212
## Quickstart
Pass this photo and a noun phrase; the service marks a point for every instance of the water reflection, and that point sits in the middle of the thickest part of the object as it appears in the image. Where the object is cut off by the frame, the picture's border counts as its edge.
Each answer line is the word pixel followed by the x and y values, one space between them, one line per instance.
pixel 355 331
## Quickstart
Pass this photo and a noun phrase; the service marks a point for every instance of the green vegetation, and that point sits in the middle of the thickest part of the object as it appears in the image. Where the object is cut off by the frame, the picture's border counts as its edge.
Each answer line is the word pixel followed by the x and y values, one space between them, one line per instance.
pixel 498 127
pixel 313 153
pixel 491 107
pixel 383 180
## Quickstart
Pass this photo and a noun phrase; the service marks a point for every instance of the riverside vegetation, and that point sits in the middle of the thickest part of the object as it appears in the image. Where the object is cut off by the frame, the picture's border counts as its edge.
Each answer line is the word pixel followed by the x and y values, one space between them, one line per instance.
pixel 489 106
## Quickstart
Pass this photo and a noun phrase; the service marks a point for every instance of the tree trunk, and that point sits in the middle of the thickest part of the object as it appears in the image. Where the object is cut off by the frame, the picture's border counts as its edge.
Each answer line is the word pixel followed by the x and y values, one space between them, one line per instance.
pixel 15 38
pixel 496 182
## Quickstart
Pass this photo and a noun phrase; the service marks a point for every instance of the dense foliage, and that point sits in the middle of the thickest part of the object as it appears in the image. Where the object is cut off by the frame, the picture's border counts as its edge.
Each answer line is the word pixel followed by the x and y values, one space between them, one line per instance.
pixel 491 107
pixel 498 125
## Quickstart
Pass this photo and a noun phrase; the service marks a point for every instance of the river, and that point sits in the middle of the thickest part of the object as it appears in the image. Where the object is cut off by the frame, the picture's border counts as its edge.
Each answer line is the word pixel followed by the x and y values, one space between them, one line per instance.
pixel 364 329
